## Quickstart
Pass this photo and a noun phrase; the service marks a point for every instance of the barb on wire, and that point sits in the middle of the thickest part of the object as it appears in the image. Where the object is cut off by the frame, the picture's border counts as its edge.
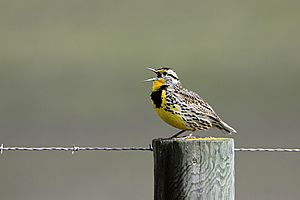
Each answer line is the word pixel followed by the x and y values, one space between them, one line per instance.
pixel 75 148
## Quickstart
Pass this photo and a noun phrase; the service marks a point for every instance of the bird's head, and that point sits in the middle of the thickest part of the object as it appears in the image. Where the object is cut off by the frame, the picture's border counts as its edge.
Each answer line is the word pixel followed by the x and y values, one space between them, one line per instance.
pixel 164 76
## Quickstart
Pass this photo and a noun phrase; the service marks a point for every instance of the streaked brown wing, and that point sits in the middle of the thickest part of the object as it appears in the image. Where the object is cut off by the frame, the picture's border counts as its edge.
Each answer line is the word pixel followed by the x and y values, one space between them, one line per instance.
pixel 195 102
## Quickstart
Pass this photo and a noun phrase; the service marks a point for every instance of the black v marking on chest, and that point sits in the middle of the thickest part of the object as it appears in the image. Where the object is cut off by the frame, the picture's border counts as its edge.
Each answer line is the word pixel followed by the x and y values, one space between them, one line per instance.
pixel 156 96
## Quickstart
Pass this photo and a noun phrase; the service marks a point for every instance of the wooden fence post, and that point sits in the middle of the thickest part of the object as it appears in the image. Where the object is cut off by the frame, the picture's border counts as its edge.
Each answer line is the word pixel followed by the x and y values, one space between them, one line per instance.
pixel 195 168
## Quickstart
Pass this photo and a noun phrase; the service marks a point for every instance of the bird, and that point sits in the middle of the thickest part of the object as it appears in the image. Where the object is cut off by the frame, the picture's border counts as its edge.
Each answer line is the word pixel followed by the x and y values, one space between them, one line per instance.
pixel 181 108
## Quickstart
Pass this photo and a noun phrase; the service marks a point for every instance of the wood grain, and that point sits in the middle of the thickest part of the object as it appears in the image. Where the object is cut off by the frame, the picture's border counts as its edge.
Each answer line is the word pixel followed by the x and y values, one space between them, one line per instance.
pixel 194 169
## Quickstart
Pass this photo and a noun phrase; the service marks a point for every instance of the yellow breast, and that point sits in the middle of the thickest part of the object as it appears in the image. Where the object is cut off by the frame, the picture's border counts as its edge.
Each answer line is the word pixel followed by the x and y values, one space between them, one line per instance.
pixel 174 120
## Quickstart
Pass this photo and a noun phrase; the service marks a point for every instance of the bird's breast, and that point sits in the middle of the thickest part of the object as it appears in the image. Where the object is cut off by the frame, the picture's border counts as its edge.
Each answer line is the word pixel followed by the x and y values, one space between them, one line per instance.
pixel 167 111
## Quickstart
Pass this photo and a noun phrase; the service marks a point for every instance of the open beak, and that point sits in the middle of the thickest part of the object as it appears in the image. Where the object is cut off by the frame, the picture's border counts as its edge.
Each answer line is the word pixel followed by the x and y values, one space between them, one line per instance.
pixel 151 69
pixel 151 79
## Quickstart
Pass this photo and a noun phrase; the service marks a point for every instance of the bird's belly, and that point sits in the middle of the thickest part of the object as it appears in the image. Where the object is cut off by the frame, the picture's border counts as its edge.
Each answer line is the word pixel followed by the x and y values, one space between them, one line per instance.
pixel 173 119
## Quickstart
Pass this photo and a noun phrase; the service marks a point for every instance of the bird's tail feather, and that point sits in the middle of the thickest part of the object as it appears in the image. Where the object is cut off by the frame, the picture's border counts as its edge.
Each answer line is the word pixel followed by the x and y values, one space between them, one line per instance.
pixel 226 128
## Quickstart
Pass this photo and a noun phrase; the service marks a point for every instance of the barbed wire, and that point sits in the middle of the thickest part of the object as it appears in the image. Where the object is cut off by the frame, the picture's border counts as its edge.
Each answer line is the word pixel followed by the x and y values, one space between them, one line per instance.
pixel 74 148
pixel 267 150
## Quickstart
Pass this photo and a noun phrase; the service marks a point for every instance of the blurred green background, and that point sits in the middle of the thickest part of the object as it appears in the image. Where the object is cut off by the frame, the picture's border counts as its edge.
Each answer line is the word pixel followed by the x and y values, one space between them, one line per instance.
pixel 71 73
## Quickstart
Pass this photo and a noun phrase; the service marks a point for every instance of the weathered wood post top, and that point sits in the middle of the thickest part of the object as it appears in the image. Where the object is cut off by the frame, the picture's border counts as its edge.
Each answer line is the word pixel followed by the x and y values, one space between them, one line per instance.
pixel 193 168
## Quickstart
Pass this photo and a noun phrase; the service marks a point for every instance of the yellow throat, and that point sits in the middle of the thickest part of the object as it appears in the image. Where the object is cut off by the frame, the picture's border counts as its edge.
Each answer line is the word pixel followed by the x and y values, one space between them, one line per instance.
pixel 157 84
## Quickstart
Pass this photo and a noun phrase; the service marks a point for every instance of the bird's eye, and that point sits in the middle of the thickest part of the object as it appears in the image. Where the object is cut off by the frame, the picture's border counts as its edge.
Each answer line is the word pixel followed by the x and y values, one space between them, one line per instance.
pixel 165 73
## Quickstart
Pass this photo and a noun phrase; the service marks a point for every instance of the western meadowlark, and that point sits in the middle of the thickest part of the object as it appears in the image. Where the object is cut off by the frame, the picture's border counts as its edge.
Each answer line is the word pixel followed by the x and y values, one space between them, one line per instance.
pixel 181 108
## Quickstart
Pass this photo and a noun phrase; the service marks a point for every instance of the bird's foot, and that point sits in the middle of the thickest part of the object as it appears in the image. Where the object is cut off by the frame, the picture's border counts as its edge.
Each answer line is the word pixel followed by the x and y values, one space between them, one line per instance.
pixel 188 136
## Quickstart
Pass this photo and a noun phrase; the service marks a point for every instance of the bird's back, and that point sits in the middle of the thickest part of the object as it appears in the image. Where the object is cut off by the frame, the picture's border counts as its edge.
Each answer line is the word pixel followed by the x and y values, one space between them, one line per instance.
pixel 194 110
